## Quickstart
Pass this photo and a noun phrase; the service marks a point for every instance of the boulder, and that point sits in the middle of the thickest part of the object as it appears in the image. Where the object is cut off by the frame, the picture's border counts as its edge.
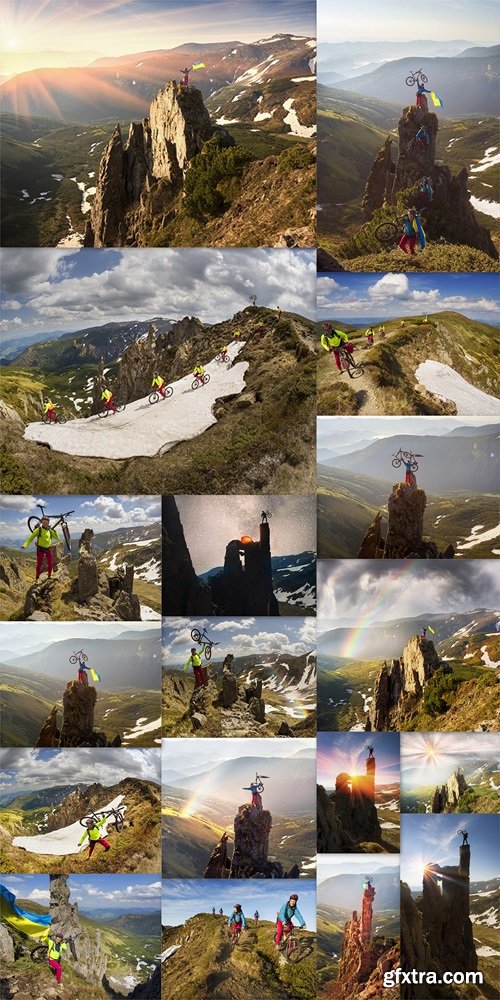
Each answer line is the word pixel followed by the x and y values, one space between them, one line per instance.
pixel 6 945
pixel 229 690
pixel 128 607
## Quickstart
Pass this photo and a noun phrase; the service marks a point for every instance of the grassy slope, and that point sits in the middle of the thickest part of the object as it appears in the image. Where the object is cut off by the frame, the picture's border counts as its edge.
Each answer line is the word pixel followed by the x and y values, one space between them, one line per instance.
pixel 466 345
pixel 253 969
pixel 246 451
pixel 468 705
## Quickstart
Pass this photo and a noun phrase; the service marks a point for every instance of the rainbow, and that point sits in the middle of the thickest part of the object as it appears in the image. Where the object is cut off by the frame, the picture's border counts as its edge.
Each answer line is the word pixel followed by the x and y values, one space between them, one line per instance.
pixel 379 603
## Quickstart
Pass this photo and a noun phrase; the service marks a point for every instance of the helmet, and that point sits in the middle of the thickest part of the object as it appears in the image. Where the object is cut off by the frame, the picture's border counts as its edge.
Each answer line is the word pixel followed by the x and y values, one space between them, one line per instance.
pixel 155 373
pixel 89 823
pixel 294 896
pixel 59 935
pixel 193 649
pixel 327 326
pixel 237 906
pixel 45 518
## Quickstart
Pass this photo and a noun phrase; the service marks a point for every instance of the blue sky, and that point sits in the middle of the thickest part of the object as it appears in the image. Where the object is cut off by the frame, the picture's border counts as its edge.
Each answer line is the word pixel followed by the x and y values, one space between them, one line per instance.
pixel 101 513
pixel 103 28
pixel 339 752
pixel 434 839
pixel 65 290
pixel 25 769
pixel 184 899
pixel 240 637
pixel 371 296
pixel 371 20
pixel 124 893
pixel 359 592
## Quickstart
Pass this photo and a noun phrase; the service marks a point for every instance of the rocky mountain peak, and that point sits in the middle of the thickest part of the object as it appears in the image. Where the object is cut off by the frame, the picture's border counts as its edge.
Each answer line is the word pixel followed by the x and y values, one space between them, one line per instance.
pixel 447 797
pixel 400 685
pixel 77 728
pixel 91 960
pixel 404 538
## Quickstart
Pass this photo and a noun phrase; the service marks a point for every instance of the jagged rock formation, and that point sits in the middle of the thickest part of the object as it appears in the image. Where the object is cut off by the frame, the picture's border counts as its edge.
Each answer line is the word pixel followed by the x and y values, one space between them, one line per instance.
pixel 87 798
pixel 404 538
pixel 10 418
pixel 250 857
pixel 446 798
pixel 378 187
pixel 399 687
pixel 183 592
pixel 245 585
pixel 436 929
pixel 364 959
pixel 143 179
pixel 348 817
pixel 155 351
pixel 450 214
pixel 10 576
pixel 6 945
pixel 77 727
pixel 88 570
pixel 91 960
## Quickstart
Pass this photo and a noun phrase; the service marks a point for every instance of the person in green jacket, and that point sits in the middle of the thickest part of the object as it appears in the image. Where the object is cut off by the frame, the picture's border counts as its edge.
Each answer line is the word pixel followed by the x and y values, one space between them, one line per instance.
pixel 331 341
pixel 93 832
pixel 200 674
pixel 56 945
pixel 45 536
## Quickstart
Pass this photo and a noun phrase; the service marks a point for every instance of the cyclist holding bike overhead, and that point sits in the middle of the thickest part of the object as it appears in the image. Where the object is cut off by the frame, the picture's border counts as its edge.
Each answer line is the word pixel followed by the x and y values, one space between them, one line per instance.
pixel 45 537
pixel 56 945
pixel 331 340
pixel 420 100
pixel 284 922
pixel 93 832
pixel 200 676
pixel 82 672
pixel 256 796
pixel 236 920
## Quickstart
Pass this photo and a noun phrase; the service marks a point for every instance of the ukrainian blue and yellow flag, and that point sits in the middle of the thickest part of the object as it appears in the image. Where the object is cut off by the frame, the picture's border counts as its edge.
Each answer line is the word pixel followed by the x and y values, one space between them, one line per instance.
pixel 94 675
pixel 198 66
pixel 35 924
pixel 437 102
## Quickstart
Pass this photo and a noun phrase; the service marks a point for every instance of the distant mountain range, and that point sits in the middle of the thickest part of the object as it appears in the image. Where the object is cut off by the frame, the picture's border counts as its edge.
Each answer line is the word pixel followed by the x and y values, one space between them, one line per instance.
pixel 294 578
pixel 122 87
pixel 346 890
pixel 95 343
pixel 389 638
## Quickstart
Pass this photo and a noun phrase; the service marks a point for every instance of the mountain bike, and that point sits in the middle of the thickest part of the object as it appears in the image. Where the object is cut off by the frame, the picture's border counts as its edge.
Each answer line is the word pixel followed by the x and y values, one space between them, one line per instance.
pixel 41 952
pixel 295 947
pixel 202 637
pixel 104 411
pixel 353 368
pixel 223 356
pixel 200 380
pixel 55 520
pixel 58 419
pixel 416 77
pixel 79 655
pixel 235 935
pixel 401 457
pixel 115 813
pixel 156 395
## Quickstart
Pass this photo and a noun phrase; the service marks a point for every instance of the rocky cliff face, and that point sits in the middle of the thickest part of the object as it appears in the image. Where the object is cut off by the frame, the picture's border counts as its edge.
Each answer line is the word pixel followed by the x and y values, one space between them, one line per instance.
pixel 332 837
pixel 91 797
pixel 183 593
pixel 142 178
pixel 415 949
pixel 157 351
pixel 399 687
pixel 91 960
pixel 450 214
pixel 250 855
pixel 447 797
pixel 362 965
pixel 404 538
pixel 77 728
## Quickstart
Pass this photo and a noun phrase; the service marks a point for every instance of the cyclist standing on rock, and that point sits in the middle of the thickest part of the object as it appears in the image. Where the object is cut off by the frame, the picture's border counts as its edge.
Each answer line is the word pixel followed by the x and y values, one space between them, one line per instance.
pixel 200 676
pixel 44 535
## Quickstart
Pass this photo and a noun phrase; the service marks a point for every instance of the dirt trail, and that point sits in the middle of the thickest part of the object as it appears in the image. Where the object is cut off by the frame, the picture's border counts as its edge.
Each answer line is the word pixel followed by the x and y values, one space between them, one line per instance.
pixel 232 983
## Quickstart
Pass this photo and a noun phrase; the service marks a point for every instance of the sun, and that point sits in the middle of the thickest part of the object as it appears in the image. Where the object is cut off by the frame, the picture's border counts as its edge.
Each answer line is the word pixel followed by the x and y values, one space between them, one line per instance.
pixel 11 43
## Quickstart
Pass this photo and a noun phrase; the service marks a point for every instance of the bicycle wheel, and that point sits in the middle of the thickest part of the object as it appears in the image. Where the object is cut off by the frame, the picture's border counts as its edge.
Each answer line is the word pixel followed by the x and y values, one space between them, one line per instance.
pixel 406 455
pixel 410 81
pixel 195 384
pixel 396 462
pixel 208 652
pixel 118 822
pixel 83 821
pixel 103 412
pixel 386 233
pixel 33 523
pixel 67 536
pixel 196 634
pixel 120 407
pixel 39 954
pixel 61 419
pixel 154 397
pixel 414 466
pixel 423 78
pixel 73 659
pixel 206 378
pixel 293 952
pixel 168 391
pixel 84 657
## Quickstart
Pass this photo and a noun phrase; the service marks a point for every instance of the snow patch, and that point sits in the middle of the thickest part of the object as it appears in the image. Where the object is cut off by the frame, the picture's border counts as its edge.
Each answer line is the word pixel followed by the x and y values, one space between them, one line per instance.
pixel 292 120
pixel 487 207
pixel 447 384
pixel 65 841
